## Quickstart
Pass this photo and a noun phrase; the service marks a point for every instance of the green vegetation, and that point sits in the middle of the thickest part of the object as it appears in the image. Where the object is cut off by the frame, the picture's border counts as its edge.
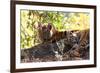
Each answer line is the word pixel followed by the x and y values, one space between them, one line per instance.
pixel 62 21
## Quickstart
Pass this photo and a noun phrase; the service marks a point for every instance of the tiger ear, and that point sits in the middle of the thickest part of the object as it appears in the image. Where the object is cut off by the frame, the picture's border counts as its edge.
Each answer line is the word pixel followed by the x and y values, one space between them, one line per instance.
pixel 49 26
pixel 38 25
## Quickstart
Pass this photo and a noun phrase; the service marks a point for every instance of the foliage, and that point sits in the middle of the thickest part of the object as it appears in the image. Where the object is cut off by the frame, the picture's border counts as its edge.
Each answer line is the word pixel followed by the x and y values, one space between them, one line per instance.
pixel 62 21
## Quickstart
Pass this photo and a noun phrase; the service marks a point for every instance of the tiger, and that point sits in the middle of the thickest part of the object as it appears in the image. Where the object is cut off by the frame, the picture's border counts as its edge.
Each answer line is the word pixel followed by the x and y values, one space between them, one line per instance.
pixel 69 39
pixel 81 48
pixel 84 37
